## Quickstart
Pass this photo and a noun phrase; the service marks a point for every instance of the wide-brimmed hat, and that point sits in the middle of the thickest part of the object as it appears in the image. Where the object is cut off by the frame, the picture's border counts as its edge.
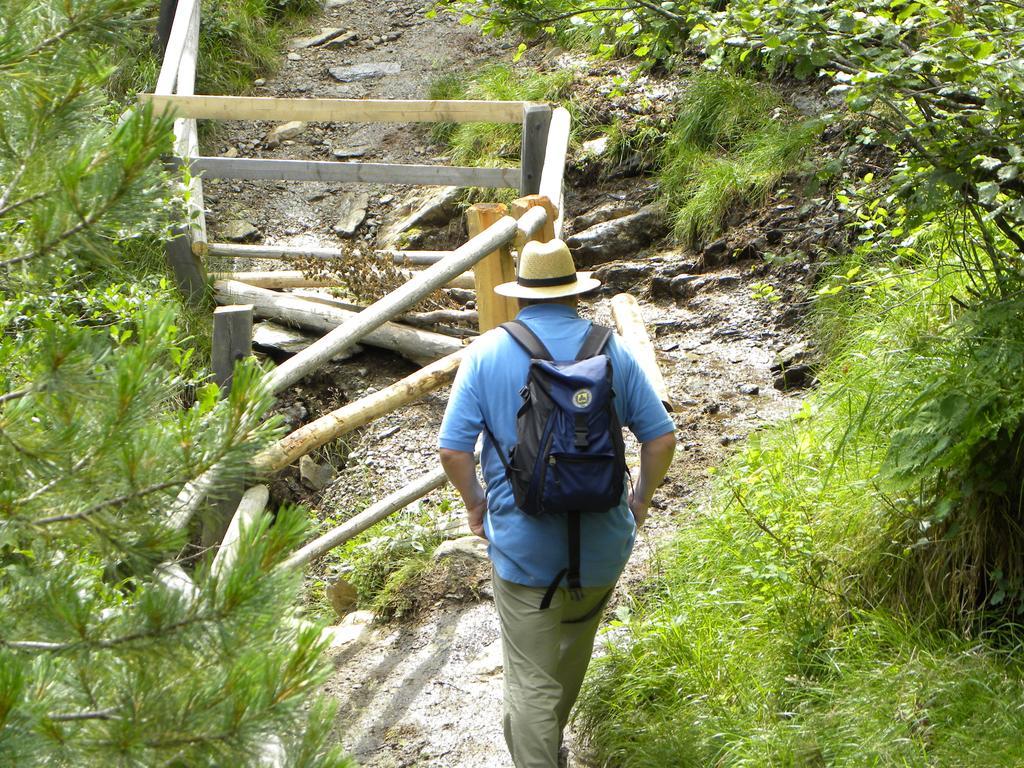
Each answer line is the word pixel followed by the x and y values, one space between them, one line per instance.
pixel 546 271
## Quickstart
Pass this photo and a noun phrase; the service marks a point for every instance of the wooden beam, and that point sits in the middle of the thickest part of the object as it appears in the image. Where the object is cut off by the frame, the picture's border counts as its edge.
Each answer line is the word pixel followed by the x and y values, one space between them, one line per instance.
pixel 495 268
pixel 553 175
pixel 395 303
pixel 362 173
pixel 232 341
pixel 391 503
pixel 253 502
pixel 546 232
pixel 420 346
pixel 536 119
pixel 353 415
pixel 630 324
pixel 416 319
pixel 334 110
pixel 168 76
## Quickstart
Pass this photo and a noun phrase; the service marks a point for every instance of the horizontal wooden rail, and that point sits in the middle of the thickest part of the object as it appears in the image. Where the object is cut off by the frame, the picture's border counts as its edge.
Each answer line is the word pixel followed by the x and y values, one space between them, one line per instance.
pixel 337 110
pixel 369 173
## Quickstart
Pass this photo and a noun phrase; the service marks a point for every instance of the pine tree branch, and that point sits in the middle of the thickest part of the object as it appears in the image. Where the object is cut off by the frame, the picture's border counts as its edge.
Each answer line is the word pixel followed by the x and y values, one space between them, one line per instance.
pixel 46 487
pixel 101 714
pixel 117 501
pixel 15 395
pixel 25 201
pixel 148 634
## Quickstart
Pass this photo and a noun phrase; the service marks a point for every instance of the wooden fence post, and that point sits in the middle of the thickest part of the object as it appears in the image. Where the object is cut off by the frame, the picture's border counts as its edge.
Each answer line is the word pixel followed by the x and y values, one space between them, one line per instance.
pixel 188 270
pixel 232 340
pixel 523 204
pixel 492 270
pixel 536 119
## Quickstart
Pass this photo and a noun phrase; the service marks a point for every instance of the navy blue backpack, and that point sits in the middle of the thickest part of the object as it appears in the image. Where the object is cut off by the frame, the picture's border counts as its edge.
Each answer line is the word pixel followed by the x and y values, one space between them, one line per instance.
pixel 569 457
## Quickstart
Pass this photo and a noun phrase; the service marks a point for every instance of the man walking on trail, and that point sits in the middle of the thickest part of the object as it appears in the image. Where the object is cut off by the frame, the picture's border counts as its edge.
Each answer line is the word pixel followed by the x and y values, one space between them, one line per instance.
pixel 548 623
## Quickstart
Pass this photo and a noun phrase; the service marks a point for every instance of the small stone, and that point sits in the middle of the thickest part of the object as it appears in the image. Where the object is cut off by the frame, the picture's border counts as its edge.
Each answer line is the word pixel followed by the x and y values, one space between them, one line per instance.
pixel 232 152
pixel 240 231
pixel 347 152
pixel 749 389
pixel 343 41
pixel 602 213
pixel 259 81
pixel 326 35
pixel 293 56
pixel 595 147
pixel 471 548
pixel 353 628
pixel 369 71
pixel 386 199
pixel 316 476
pixel 354 205
pixel 796 377
pixel 292 231
pixel 283 132
pixel 489 661
pixel 713 253
pixel 343 596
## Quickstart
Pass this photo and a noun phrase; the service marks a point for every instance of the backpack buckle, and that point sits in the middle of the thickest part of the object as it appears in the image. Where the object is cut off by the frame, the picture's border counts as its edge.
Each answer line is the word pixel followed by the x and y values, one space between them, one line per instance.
pixel 582 441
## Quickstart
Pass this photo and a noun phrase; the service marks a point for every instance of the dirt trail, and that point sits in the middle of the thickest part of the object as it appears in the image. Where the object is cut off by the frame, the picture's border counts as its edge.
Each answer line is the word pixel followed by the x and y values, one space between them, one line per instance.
pixel 429 694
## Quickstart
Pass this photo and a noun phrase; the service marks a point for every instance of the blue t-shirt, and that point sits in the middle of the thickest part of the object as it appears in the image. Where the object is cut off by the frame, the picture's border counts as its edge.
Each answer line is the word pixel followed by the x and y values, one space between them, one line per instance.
pixel 532 550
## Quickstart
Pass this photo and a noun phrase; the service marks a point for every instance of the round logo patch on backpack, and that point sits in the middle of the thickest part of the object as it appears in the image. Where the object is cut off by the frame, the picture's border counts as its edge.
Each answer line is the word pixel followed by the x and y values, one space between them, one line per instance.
pixel 582 398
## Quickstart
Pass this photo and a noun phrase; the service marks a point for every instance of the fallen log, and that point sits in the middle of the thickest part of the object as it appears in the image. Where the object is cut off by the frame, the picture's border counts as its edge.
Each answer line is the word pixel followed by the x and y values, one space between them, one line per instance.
pixel 350 416
pixel 417 345
pixel 417 319
pixel 253 502
pixel 403 298
pixel 630 325
pixel 373 514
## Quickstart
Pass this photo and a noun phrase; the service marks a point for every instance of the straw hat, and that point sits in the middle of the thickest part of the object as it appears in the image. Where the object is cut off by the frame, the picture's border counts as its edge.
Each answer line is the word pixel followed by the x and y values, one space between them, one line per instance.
pixel 546 271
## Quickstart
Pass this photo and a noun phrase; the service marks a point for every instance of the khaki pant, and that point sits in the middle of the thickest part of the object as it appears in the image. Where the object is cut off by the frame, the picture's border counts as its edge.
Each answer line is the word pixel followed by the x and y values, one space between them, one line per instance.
pixel 546 654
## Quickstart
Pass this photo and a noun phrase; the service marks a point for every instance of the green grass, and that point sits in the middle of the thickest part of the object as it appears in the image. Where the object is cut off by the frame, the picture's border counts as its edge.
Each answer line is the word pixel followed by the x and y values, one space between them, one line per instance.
pixel 240 40
pixel 731 143
pixel 819 614
pixel 492 144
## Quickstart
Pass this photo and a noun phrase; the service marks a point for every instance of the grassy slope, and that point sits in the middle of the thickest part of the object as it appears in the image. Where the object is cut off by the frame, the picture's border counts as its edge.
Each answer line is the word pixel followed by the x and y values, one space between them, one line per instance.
pixel 795 624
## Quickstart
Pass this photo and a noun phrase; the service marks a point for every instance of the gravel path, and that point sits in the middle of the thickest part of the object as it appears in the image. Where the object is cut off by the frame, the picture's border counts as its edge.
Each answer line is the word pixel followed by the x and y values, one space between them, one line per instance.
pixel 428 694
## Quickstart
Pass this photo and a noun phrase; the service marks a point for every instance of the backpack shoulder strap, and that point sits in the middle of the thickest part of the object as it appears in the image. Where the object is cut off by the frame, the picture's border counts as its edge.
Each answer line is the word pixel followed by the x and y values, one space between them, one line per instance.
pixel 527 339
pixel 594 344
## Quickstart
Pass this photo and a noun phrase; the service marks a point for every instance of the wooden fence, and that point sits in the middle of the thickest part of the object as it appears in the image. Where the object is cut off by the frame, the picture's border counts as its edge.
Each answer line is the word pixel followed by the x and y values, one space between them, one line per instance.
pixel 494 231
pixel 484 261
